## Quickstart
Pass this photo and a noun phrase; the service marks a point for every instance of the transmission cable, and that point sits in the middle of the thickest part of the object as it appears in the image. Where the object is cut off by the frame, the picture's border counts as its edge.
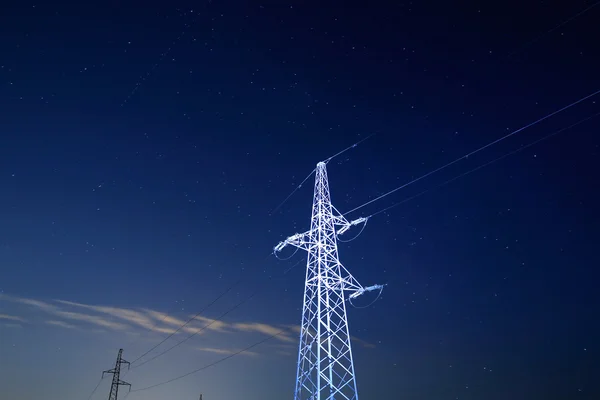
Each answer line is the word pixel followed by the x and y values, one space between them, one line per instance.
pixel 474 151
pixel 460 176
pixel 486 164
pixel 311 172
pixel 96 388
pixel 240 280
pixel 213 363
pixel 151 327
pixel 231 355
pixel 563 23
pixel 291 194
pixel 190 320
pixel 348 148
pixel 199 330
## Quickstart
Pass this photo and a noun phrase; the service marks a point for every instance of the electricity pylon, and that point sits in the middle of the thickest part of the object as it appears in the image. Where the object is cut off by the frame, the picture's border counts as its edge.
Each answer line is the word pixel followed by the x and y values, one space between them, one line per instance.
pixel 116 373
pixel 325 366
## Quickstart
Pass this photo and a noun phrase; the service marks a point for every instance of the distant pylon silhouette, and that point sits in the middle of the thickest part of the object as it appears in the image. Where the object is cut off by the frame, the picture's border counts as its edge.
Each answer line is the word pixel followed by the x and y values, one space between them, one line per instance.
pixel 116 372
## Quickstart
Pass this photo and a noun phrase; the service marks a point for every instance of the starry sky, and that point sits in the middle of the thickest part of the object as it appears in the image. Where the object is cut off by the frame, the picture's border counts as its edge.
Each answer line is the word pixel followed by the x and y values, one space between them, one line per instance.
pixel 145 145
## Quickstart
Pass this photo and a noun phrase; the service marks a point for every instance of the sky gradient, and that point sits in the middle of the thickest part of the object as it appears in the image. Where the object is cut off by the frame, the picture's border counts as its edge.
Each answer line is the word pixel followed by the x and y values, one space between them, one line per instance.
pixel 144 146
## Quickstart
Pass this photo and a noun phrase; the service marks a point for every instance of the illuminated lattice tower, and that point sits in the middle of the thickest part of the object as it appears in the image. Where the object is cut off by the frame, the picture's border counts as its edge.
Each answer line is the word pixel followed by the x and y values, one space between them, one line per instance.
pixel 325 364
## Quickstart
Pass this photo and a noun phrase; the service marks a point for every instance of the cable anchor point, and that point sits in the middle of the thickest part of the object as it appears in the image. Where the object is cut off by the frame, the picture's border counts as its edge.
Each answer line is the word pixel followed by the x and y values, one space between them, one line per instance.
pixel 362 291
pixel 345 228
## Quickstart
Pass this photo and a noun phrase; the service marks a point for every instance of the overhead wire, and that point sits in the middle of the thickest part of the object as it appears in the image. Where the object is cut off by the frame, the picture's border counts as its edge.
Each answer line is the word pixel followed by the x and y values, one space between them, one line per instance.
pixel 151 327
pixel 212 364
pixel 475 151
pixel 291 194
pixel 199 330
pixel 326 161
pixel 314 169
pixel 241 280
pixel 486 164
pixel 96 388
pixel 387 208
pixel 225 313
pixel 380 292
pixel 189 320
pixel 231 355
pixel 563 23
pixel 179 328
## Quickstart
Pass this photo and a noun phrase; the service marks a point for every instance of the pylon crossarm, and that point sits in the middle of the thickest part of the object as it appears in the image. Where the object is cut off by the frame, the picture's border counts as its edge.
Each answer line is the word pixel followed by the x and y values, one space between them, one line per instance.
pixel 300 240
pixel 123 383
pixel 348 225
pixel 109 371
pixel 362 291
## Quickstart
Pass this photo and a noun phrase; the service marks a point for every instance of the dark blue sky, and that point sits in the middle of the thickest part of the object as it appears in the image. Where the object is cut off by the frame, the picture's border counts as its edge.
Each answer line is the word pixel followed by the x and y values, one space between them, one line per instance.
pixel 143 146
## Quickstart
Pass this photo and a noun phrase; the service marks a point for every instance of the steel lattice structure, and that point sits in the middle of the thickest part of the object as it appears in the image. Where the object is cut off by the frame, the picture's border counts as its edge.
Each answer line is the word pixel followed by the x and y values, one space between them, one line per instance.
pixel 325 366
pixel 116 373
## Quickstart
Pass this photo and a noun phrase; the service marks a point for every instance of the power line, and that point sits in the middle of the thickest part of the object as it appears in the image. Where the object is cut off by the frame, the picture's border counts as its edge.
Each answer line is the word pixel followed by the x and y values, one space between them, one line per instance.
pixel 228 311
pixel 213 363
pixel 151 327
pixel 486 164
pixel 474 151
pixel 348 148
pixel 231 355
pixel 96 388
pixel 199 330
pixel 381 211
pixel 312 172
pixel 240 280
pixel 553 29
pixel 190 320
pixel 291 194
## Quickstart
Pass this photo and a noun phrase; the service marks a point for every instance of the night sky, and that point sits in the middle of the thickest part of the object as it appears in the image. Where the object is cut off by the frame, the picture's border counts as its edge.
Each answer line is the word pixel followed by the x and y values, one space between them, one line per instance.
pixel 144 146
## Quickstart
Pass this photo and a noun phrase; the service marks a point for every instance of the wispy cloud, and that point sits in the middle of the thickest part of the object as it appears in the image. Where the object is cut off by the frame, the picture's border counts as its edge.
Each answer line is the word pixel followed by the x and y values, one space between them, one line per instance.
pixel 74 315
pixel 212 324
pixel 129 316
pixel 68 315
pixel 11 318
pixel 226 351
pixel 11 325
pixel 127 320
pixel 62 324
pixel 264 329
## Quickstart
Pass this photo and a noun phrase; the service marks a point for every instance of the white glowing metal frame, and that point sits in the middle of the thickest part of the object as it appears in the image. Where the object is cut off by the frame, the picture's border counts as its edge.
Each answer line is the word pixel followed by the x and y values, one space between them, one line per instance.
pixel 325 364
